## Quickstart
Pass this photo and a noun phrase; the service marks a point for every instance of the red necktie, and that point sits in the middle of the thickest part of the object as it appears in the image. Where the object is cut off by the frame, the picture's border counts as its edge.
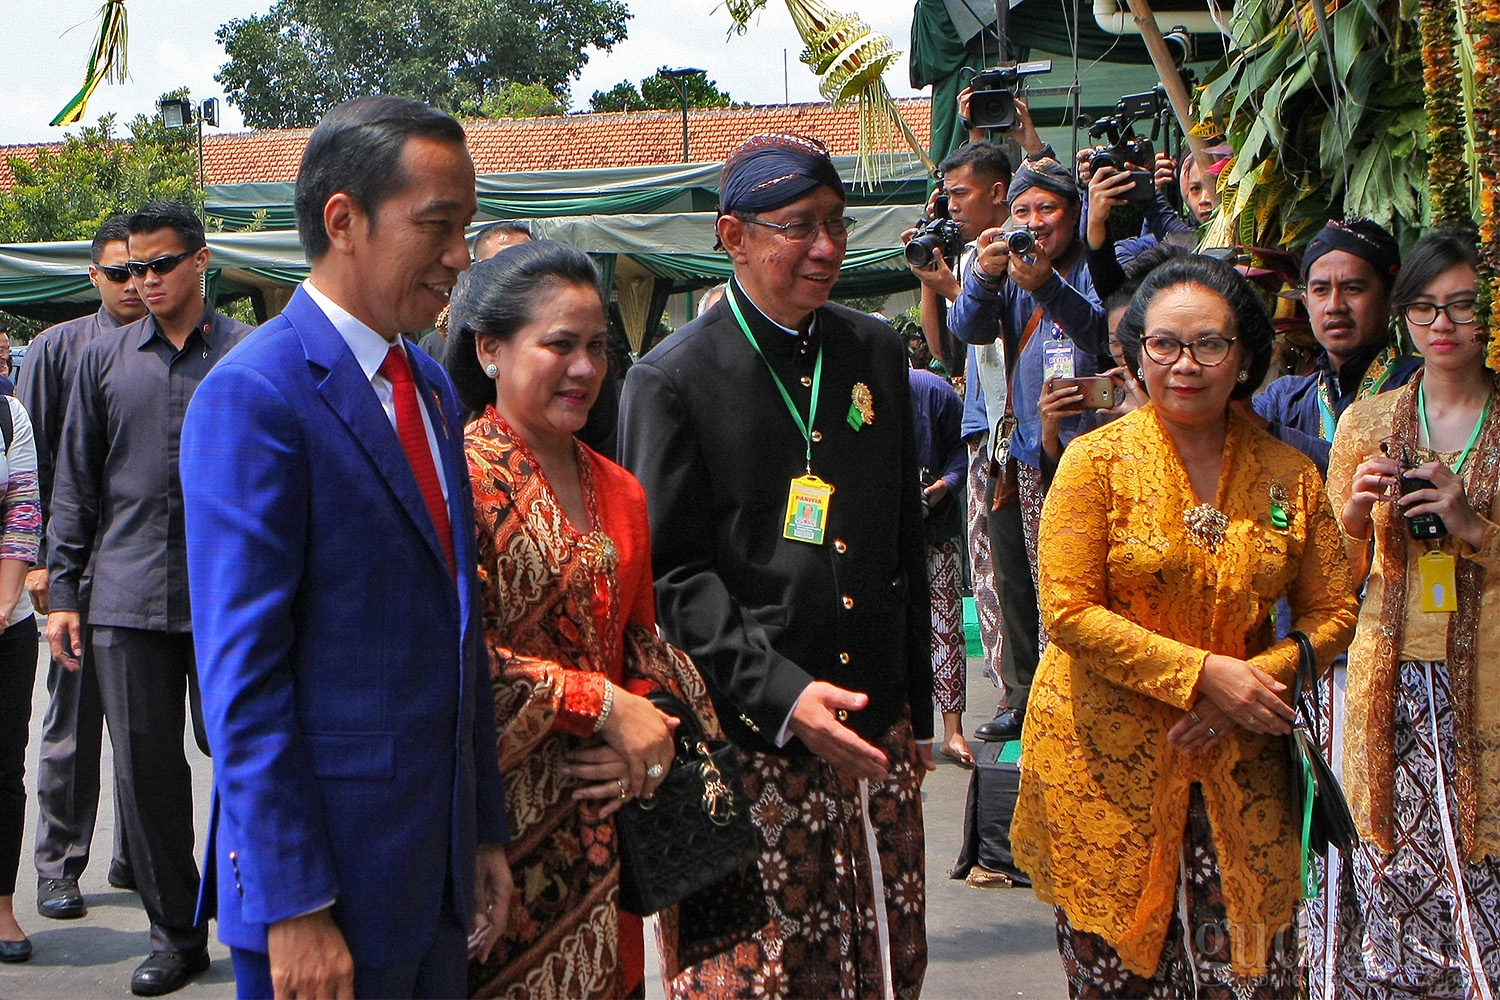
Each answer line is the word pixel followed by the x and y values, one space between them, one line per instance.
pixel 414 442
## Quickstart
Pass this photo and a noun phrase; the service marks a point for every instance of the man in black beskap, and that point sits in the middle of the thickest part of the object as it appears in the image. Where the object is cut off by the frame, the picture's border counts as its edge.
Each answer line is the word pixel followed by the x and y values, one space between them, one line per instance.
pixel 117 512
pixel 774 438
pixel 67 781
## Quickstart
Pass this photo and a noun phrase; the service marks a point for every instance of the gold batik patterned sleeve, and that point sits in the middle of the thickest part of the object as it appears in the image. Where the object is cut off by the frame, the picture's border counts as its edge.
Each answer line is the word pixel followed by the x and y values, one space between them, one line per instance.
pixel 1073 548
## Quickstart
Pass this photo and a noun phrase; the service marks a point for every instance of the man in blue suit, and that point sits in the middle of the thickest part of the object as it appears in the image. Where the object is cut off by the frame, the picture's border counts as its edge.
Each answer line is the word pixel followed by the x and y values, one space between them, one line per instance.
pixel 358 807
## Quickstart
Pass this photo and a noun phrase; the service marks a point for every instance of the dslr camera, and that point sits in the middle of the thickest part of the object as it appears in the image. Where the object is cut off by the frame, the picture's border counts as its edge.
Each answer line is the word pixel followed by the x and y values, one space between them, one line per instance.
pixel 937 233
pixel 1125 150
pixel 992 104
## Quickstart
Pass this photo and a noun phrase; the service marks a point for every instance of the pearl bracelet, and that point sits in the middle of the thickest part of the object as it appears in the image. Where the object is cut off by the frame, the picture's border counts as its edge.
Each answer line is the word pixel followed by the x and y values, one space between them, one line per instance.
pixel 607 707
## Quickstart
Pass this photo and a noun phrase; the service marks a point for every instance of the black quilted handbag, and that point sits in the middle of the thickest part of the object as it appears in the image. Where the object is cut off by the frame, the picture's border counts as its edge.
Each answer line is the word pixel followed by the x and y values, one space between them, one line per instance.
pixel 1318 797
pixel 695 831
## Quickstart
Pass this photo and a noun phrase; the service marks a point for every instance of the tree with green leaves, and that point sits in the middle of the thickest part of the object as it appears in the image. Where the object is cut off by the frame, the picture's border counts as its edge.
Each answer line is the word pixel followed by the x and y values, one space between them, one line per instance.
pixel 658 91
pixel 524 100
pixel 290 65
pixel 70 190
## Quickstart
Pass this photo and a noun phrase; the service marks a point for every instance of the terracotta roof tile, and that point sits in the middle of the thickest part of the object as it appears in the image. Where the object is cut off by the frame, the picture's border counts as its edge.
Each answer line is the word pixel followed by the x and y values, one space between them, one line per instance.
pixel 566 142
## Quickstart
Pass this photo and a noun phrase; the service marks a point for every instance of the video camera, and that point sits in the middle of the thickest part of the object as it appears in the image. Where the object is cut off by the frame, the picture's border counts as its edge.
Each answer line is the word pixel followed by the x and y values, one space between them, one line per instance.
pixel 1125 150
pixel 937 233
pixel 992 104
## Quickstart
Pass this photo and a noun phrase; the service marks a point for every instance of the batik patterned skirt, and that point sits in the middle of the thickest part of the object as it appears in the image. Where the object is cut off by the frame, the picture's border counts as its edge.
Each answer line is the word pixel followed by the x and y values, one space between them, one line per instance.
pixel 1420 922
pixel 949 648
pixel 1029 485
pixel 1193 966
pixel 840 920
pixel 981 567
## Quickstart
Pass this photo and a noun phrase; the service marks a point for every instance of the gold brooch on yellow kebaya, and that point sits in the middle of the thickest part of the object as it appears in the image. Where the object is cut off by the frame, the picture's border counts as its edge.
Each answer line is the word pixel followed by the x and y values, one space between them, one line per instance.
pixel 1205 524
pixel 861 407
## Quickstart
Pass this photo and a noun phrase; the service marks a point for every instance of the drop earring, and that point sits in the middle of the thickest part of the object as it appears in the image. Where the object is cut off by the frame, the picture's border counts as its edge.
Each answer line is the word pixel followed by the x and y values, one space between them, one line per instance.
pixel 1140 374
pixel 493 369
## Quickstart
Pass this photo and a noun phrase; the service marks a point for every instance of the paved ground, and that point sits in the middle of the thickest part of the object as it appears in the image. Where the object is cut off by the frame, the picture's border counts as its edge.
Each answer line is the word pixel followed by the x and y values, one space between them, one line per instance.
pixel 990 943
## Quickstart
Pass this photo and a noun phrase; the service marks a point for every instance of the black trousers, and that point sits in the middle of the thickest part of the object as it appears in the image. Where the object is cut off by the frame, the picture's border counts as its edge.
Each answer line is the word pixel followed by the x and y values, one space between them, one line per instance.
pixel 67 782
pixel 149 683
pixel 17 676
pixel 1019 619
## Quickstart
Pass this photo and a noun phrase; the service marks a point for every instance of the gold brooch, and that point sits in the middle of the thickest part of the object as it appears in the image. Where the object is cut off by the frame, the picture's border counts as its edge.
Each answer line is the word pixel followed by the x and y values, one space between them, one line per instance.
pixel 864 402
pixel 1205 524
pixel 1281 516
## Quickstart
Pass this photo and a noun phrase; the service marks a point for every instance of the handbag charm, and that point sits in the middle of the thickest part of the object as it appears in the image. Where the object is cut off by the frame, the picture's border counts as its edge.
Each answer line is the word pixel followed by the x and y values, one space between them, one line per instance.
pixel 718 800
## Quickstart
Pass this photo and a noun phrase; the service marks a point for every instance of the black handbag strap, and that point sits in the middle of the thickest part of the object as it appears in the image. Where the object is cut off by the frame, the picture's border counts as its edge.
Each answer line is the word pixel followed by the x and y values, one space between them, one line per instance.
pixel 1305 687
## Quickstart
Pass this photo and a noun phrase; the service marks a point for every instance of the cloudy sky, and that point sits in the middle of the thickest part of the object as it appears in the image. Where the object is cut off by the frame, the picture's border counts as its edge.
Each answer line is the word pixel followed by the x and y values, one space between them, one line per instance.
pixel 172 45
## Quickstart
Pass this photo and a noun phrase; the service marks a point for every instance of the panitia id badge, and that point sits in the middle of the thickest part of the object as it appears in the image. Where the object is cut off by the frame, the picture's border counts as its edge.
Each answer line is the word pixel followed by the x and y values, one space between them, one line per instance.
pixel 807 509
pixel 1439 581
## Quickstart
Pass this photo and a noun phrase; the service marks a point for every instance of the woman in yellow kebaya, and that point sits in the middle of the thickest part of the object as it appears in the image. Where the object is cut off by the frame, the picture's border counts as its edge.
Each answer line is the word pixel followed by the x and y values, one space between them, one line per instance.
pixel 1154 810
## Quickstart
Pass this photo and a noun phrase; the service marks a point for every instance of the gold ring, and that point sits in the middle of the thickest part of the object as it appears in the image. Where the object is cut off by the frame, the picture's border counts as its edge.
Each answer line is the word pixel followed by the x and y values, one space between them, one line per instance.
pixel 1194 716
pixel 621 783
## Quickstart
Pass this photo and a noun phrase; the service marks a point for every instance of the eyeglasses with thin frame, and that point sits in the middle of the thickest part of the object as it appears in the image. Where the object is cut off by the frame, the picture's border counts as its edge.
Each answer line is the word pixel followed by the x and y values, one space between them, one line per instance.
pixel 1206 351
pixel 164 264
pixel 1460 313
pixel 117 273
pixel 803 232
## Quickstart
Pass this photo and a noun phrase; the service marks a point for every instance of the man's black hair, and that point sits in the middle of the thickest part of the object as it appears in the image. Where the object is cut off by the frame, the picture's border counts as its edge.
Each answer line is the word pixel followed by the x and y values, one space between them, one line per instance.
pixel 982 158
pixel 115 230
pixel 356 149
pixel 173 215
pixel 497 229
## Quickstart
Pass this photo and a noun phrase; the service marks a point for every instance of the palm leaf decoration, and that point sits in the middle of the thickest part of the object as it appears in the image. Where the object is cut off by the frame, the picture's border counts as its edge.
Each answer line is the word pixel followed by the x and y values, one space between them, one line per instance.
pixel 849 59
pixel 106 62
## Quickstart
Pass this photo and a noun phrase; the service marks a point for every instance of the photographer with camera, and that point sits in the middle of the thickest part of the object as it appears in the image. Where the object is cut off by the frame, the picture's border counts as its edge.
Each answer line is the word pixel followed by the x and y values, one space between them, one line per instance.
pixel 974 182
pixel 1038 303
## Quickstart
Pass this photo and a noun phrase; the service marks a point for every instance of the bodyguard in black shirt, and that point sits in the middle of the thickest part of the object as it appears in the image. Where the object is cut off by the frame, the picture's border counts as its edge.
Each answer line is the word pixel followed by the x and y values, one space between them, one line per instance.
pixel 117 513
pixel 73 731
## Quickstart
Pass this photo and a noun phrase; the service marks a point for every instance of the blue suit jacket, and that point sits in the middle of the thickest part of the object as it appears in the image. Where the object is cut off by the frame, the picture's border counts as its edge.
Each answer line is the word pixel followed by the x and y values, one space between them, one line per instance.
pixel 345 685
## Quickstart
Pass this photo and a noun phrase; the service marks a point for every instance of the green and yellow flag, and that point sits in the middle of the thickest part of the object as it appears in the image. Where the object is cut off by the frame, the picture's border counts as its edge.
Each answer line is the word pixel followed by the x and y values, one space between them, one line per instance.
pixel 107 62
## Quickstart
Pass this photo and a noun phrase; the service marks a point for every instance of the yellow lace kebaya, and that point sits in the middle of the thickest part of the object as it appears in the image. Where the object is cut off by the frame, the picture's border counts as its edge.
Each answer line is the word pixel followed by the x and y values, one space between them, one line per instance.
pixel 1135 602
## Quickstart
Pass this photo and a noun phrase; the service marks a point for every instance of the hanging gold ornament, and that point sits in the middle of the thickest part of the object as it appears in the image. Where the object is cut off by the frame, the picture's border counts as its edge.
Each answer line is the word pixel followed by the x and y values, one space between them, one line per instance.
pixel 849 58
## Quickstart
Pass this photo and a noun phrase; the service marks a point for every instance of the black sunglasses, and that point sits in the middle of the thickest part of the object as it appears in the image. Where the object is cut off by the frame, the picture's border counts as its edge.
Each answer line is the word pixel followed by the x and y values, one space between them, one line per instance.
pixel 161 265
pixel 118 273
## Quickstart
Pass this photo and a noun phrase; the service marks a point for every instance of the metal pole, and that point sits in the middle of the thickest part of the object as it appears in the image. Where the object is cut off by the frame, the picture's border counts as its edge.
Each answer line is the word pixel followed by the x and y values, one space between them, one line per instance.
pixel 202 176
pixel 682 90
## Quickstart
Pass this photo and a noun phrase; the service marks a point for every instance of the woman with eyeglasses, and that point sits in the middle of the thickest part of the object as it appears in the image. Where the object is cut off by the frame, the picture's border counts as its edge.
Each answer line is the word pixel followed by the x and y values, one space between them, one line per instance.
pixel 1413 474
pixel 1154 810
pixel 569 619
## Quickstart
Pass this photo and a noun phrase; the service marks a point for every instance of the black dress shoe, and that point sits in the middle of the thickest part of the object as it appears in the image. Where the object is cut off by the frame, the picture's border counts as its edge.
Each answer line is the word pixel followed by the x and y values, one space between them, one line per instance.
pixel 59 899
pixel 15 951
pixel 120 876
pixel 166 971
pixel 1003 727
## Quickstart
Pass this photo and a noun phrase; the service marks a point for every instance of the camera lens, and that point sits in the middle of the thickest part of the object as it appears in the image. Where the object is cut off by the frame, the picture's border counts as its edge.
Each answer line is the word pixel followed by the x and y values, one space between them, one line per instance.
pixel 1021 242
pixel 919 251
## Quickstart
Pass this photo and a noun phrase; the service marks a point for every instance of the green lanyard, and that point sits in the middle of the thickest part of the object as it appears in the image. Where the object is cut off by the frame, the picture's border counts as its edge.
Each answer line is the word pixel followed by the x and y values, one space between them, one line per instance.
pixel 1473 438
pixel 786 397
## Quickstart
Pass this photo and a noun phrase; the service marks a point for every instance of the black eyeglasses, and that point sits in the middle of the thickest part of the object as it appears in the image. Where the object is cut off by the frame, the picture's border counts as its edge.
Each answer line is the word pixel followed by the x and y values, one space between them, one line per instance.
pixel 1460 313
pixel 161 265
pixel 117 273
pixel 802 232
pixel 1206 351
